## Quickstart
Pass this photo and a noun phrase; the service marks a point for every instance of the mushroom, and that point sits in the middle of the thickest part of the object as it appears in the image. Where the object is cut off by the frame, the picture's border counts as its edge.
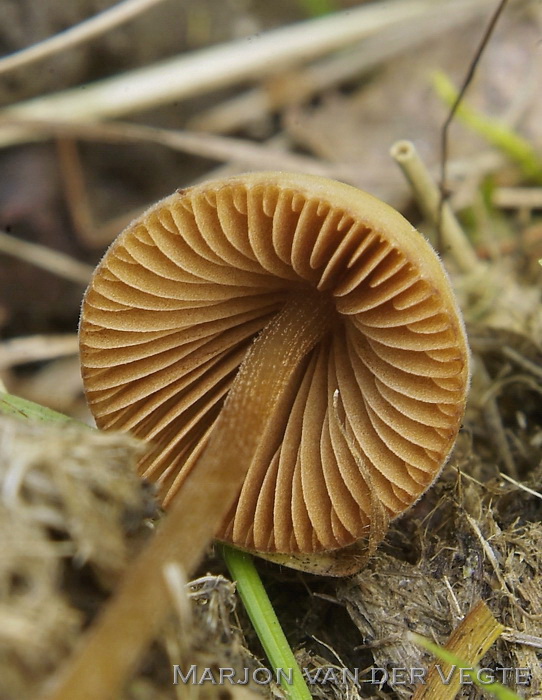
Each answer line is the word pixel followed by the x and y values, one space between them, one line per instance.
pixel 307 328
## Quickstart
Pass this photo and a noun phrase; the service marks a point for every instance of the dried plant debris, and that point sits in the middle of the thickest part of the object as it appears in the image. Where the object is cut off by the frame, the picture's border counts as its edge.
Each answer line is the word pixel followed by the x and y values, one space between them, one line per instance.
pixel 37 625
pixel 72 513
pixel 76 483
pixel 503 413
pixel 202 642
pixel 68 497
pixel 468 542
pixel 498 298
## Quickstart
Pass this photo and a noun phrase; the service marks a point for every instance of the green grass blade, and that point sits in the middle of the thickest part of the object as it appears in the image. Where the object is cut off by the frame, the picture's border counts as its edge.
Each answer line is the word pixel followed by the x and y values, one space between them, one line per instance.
pixel 11 405
pixel 496 132
pixel 264 619
pixel 318 8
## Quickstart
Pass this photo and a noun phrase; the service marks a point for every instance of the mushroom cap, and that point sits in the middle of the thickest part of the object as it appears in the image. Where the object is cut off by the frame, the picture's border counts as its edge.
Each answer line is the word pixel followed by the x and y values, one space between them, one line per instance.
pixel 371 415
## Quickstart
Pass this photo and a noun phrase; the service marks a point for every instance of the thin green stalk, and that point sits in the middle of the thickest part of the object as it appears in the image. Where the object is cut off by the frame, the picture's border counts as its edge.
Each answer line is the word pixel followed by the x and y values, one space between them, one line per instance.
pixel 264 619
pixel 318 8
pixel 11 405
pixel 494 131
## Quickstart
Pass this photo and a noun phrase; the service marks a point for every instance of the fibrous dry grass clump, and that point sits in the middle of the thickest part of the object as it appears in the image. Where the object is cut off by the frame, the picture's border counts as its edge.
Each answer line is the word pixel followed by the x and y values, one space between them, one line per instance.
pixel 67 495
pixel 38 627
pixel 75 483
pixel 72 512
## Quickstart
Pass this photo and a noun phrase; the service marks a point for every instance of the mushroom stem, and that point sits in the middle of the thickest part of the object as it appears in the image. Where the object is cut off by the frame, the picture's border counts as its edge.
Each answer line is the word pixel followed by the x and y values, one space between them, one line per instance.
pixel 132 619
pixel 262 380
pixel 428 197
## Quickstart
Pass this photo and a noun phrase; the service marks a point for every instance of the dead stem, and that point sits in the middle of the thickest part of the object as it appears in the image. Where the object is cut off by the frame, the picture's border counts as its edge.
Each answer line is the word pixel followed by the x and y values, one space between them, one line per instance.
pixel 428 197
pixel 220 148
pixel 237 112
pixel 46 258
pixel 80 33
pixel 36 348
pixel 470 641
pixel 521 486
pixel 493 419
pixel 522 198
pixel 520 638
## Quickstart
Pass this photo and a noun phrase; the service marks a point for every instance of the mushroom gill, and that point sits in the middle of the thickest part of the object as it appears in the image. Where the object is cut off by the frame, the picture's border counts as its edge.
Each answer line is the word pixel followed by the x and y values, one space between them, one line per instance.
pixel 374 402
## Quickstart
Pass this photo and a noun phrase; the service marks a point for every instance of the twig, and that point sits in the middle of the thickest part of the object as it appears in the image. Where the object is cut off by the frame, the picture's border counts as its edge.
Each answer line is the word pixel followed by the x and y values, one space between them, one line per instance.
pixel 495 131
pixel 80 33
pixel 50 260
pixel 93 234
pixel 212 68
pixel 428 197
pixel 490 554
pixel 528 198
pixel 220 148
pixel 520 638
pixel 279 143
pixel 454 603
pixel 446 126
pixel 36 348
pixel 74 185
pixel 521 486
pixel 493 419
pixel 97 234
pixel 522 361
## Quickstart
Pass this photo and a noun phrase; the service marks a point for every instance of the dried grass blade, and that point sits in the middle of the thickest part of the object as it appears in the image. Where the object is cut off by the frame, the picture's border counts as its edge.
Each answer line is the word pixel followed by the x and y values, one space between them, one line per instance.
pixel 46 258
pixel 213 68
pixel 470 641
pixel 36 348
pixel 78 34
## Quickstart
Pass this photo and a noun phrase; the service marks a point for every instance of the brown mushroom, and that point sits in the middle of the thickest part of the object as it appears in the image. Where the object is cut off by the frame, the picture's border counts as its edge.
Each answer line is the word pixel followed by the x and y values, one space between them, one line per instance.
pixel 378 357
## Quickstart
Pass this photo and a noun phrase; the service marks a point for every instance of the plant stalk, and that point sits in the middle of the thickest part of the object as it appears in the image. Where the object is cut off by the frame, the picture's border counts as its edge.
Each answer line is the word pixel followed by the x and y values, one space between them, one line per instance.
pixel 265 622
pixel 428 197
